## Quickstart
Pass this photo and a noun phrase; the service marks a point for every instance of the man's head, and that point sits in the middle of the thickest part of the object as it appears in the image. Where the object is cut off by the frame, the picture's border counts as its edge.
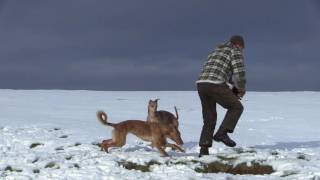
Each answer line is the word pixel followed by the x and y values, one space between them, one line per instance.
pixel 237 41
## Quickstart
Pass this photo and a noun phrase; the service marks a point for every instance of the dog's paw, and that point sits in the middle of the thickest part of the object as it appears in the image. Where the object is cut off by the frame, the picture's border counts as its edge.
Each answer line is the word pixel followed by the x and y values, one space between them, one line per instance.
pixel 164 155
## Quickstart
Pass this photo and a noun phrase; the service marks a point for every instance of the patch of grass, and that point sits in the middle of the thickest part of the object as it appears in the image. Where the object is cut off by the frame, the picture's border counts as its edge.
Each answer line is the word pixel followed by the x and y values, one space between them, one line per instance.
pixel 59 148
pixel 11 169
pixel 63 136
pixel 36 171
pixel 52 165
pixel 168 163
pixel 76 166
pixel 33 145
pixel 254 167
pixel 35 160
pixel 77 144
pixel 133 166
pixel 241 150
pixel 302 156
pixel 68 158
pixel 274 153
pixel 8 168
pixel 96 144
pixel 224 158
pixel 218 167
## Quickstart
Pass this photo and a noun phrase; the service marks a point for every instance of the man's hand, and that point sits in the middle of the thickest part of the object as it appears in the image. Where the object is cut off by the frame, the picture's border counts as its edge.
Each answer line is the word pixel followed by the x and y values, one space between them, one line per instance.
pixel 238 92
pixel 235 90
pixel 241 93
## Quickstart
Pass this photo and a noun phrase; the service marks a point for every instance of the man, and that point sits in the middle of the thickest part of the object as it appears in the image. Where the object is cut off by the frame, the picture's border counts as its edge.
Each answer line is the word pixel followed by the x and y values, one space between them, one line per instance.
pixel 223 64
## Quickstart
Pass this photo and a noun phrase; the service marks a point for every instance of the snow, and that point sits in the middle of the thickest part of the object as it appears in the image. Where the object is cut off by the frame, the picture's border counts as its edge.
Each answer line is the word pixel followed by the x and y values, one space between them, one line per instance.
pixel 51 134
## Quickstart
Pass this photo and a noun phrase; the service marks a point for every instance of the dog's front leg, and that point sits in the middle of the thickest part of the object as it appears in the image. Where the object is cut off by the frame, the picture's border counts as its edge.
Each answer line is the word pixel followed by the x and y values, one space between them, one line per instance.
pixel 162 151
pixel 175 147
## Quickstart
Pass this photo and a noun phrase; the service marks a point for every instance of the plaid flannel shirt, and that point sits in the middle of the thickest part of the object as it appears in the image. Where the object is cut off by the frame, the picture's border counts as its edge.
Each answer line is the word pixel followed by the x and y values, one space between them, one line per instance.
pixel 222 64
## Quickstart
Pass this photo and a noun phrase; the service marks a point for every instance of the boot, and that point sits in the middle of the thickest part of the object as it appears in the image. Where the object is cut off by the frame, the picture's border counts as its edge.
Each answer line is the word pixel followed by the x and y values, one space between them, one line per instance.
pixel 222 136
pixel 204 151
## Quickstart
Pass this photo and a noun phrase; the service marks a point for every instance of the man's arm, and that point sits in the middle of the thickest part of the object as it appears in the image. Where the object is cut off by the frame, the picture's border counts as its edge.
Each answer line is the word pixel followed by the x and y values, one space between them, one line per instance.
pixel 238 71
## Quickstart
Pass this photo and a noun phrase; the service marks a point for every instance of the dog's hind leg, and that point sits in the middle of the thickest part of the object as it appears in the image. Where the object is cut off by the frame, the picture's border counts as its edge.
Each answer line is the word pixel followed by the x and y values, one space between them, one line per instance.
pixel 118 139
pixel 162 151
pixel 160 144
pixel 174 146
pixel 105 145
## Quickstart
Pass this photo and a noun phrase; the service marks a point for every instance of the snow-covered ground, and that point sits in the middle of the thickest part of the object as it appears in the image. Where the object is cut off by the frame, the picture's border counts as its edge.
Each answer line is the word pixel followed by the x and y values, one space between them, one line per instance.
pixel 53 135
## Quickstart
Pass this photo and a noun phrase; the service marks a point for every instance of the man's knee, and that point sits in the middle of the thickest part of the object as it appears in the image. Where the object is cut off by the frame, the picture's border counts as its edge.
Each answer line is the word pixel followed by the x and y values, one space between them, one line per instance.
pixel 239 107
pixel 209 121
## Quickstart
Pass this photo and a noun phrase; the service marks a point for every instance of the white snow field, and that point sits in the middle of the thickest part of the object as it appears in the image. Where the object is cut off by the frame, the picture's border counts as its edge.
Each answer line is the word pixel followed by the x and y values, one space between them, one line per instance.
pixel 53 134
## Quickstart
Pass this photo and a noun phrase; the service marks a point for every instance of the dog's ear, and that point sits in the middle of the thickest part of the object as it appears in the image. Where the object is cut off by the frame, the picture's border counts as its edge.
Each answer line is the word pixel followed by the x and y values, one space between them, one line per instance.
pixel 176 123
pixel 156 100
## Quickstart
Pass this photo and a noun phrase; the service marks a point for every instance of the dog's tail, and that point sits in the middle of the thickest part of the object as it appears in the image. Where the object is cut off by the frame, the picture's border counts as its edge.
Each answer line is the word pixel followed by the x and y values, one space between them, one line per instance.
pixel 102 117
pixel 177 115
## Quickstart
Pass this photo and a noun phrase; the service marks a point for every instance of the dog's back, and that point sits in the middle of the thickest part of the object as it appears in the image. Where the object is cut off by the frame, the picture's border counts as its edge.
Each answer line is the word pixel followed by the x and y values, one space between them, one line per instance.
pixel 136 127
pixel 167 117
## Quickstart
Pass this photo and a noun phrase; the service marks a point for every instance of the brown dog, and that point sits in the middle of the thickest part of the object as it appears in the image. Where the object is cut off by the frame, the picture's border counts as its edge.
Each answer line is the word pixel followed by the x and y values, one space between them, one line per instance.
pixel 165 117
pixel 156 133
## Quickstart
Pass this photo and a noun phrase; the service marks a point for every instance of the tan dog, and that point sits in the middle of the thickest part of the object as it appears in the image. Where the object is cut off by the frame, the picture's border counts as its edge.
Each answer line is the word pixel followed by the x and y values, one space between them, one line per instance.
pixel 156 133
pixel 161 116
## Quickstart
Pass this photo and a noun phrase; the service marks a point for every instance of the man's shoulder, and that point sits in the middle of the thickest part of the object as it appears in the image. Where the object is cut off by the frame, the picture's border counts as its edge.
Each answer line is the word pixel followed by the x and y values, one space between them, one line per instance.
pixel 224 48
pixel 236 50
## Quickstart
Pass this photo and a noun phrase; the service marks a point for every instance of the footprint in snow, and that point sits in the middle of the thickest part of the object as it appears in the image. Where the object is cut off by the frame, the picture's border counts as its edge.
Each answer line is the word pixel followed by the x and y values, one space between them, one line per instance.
pixel 63 136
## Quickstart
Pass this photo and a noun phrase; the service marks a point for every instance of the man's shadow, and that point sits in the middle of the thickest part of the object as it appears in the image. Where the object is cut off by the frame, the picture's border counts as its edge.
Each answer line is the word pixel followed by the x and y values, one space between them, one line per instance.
pixel 290 145
pixel 278 145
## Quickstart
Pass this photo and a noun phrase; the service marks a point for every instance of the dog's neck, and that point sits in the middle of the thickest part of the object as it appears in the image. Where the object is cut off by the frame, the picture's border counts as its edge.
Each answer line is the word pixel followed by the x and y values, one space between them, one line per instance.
pixel 152 113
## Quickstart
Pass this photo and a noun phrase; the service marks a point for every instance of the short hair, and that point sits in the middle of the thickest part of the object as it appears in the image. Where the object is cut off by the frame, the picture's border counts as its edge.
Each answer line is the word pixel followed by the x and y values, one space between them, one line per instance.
pixel 237 39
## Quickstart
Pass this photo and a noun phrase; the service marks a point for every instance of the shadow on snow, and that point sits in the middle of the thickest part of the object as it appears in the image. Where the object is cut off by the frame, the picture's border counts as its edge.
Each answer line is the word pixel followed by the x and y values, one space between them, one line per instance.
pixel 290 145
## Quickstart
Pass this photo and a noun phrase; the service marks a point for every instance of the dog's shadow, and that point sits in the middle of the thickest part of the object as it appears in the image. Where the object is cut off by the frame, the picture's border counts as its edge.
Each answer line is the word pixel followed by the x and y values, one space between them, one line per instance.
pixel 191 144
pixel 187 146
pixel 181 154
pixel 290 145
pixel 139 147
pixel 172 153
pixel 278 145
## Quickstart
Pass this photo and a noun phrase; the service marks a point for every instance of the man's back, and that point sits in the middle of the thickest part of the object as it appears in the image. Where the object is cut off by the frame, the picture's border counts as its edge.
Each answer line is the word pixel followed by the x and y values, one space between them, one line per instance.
pixel 221 64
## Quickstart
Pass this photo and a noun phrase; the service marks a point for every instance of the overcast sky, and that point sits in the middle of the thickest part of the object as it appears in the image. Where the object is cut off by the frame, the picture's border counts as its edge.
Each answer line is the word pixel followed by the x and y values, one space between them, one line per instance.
pixel 155 45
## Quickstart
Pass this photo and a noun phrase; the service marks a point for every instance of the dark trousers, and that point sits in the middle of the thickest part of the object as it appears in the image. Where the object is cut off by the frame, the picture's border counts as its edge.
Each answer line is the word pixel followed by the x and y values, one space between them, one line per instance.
pixel 211 94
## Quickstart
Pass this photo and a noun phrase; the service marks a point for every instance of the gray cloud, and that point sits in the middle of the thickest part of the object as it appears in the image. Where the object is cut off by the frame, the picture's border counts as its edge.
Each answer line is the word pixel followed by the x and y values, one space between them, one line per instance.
pixel 158 45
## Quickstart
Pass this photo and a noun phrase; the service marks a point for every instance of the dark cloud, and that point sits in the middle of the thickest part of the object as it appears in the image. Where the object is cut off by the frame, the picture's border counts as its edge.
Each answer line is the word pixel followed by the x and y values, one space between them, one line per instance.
pixel 153 45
